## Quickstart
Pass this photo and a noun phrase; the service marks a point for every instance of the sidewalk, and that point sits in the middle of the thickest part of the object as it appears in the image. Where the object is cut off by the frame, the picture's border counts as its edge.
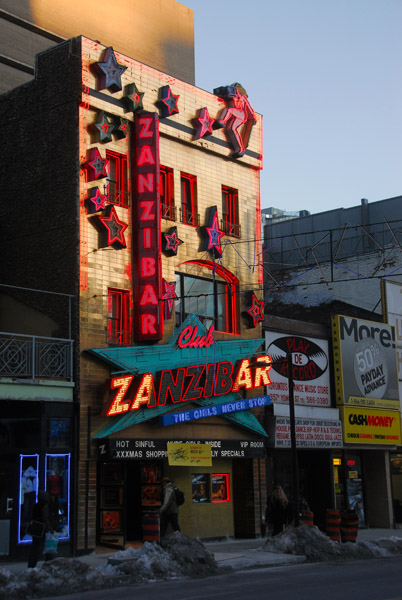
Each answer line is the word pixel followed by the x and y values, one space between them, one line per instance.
pixel 238 554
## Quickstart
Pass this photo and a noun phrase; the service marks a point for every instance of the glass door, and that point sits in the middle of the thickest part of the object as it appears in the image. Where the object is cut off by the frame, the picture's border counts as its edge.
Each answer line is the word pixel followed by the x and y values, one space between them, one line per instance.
pixel 112 505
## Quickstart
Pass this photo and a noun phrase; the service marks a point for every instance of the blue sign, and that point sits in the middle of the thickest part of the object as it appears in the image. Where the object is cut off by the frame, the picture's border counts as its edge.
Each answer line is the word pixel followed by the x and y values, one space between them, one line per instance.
pixel 214 411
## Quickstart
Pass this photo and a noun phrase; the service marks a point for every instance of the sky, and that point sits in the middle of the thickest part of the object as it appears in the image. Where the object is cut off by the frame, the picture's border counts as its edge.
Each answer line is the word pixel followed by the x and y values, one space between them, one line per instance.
pixel 327 77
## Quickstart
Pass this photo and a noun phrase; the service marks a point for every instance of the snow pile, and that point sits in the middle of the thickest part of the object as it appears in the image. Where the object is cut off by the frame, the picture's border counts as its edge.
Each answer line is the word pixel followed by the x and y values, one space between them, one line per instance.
pixel 318 547
pixel 55 577
pixel 178 556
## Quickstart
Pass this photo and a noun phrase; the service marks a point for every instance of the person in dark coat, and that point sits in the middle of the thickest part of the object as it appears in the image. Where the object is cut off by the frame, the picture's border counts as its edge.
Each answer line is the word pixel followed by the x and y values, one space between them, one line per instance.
pixel 169 511
pixel 277 509
pixel 40 513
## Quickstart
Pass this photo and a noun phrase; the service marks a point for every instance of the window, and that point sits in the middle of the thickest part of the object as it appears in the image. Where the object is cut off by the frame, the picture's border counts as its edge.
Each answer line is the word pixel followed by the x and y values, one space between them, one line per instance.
pixel 230 211
pixel 118 325
pixel 168 209
pixel 117 182
pixel 200 488
pixel 220 487
pixel 189 200
pixel 213 301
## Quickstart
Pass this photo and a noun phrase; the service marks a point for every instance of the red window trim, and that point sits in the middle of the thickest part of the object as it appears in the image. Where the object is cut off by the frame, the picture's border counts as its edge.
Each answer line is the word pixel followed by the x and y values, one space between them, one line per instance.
pixel 121 183
pixel 189 208
pixel 120 334
pixel 166 182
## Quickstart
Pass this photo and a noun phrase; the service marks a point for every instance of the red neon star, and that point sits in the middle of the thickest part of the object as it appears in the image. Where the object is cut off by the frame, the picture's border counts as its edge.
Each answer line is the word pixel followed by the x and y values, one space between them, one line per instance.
pixel 115 228
pixel 96 166
pixel 256 311
pixel 172 242
pixel 170 101
pixel 215 234
pixel 97 199
pixel 203 124
pixel 169 295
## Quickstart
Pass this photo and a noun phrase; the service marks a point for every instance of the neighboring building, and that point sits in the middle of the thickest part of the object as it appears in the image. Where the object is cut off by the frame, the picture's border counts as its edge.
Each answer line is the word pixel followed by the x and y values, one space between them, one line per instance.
pixel 159 34
pixel 325 270
pixel 124 195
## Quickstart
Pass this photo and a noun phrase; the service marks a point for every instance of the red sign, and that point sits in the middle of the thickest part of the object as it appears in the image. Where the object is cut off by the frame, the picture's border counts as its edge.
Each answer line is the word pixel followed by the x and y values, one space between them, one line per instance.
pixel 186 384
pixel 189 338
pixel 146 226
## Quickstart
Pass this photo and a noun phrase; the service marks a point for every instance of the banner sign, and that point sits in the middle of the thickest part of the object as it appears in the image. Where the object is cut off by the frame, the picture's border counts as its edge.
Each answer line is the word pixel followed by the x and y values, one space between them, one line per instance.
pixel 189 455
pixel 310 433
pixel 365 363
pixel 310 369
pixel 392 309
pixel 366 426
pixel 213 411
pixel 156 449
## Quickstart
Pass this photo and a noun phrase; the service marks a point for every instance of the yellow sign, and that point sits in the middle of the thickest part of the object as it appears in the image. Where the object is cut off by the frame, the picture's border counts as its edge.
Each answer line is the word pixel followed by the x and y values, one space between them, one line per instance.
pixel 367 426
pixel 189 455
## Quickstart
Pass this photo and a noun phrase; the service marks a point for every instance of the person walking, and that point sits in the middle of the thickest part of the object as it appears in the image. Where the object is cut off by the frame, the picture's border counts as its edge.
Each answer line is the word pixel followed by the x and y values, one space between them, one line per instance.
pixel 169 511
pixel 41 514
pixel 277 509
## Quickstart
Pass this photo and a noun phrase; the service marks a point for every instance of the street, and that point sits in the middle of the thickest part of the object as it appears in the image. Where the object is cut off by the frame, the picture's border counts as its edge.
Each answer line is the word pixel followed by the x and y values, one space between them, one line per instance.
pixel 377 579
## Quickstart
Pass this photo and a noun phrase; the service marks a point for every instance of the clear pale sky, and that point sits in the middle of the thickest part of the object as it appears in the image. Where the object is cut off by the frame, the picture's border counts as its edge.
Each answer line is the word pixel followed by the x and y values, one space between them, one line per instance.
pixel 327 77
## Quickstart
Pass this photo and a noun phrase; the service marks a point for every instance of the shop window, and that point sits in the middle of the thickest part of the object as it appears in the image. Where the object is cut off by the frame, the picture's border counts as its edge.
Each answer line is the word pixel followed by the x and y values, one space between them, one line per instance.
pixel 117 182
pixel 220 487
pixel 28 485
pixel 200 488
pixel 168 209
pixel 58 433
pixel 57 485
pixel 212 301
pixel 189 206
pixel 118 324
pixel 230 212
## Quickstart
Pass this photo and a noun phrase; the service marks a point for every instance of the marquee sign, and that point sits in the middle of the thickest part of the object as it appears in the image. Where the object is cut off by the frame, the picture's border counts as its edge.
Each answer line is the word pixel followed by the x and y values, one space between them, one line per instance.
pixel 186 384
pixel 146 225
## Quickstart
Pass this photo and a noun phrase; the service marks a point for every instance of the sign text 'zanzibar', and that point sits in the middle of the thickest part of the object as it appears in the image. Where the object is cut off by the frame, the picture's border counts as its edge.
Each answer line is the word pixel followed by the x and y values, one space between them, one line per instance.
pixel 186 384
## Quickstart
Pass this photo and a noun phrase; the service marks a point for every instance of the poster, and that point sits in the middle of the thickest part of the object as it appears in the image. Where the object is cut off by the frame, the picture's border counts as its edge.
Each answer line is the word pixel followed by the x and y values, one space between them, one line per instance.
pixel 310 369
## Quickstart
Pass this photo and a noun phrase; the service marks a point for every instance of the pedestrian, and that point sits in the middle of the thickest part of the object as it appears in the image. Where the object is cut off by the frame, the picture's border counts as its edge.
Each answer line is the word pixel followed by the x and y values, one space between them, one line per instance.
pixel 40 514
pixel 277 509
pixel 169 511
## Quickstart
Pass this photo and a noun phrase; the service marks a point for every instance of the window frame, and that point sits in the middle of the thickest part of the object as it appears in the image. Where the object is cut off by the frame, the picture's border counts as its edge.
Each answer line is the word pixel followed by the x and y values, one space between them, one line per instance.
pixel 230 316
pixel 120 335
pixel 166 192
pixel 230 211
pixel 117 190
pixel 188 189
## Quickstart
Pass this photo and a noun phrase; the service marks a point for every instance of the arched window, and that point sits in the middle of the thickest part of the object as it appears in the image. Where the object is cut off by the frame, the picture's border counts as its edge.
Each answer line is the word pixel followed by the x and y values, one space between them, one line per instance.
pixel 209 291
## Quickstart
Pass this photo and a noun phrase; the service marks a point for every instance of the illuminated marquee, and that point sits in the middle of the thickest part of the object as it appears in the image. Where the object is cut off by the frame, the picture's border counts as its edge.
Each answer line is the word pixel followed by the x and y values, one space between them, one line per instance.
pixel 186 384
pixel 147 271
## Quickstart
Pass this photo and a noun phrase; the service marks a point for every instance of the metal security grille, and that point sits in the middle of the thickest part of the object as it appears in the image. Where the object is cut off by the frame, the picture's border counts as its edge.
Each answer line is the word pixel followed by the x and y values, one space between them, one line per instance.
pixel 34 357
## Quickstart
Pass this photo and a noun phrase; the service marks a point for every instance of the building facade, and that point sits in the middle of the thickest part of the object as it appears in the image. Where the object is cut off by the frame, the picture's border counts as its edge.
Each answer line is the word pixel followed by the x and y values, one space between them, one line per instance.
pixel 147 211
pixel 334 270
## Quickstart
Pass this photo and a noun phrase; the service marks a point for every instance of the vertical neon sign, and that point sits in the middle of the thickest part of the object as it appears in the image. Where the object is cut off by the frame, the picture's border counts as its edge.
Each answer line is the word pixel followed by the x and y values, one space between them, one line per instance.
pixel 146 225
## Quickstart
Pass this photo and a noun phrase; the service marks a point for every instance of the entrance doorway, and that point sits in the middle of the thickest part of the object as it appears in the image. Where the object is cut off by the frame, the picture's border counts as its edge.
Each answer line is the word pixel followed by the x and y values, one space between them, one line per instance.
pixel 8 504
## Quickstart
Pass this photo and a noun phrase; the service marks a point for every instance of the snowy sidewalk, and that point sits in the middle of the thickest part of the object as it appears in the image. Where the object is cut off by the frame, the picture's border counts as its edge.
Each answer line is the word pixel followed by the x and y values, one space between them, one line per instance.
pixel 237 554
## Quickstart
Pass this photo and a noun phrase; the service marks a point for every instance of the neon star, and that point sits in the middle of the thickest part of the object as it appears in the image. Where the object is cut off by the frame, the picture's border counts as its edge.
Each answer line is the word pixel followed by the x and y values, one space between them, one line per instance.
pixel 96 200
pixel 169 295
pixel 203 124
pixel 104 127
pixel 96 166
pixel 110 71
pixel 132 98
pixel 121 127
pixel 170 241
pixel 215 234
pixel 168 101
pixel 256 311
pixel 115 228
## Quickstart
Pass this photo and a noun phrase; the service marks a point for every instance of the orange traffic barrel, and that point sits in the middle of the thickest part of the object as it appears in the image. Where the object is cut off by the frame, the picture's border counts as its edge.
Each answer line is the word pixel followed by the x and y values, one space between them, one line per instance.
pixel 349 525
pixel 332 524
pixel 150 527
pixel 307 517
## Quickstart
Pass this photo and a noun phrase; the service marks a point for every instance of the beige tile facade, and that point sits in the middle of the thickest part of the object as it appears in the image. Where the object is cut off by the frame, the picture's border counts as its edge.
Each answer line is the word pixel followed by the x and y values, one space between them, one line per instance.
pixel 209 160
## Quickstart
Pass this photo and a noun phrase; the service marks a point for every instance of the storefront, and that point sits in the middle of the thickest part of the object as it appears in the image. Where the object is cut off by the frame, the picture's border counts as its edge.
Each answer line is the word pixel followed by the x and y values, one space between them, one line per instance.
pixel 35 454
pixel 218 494
pixel 203 395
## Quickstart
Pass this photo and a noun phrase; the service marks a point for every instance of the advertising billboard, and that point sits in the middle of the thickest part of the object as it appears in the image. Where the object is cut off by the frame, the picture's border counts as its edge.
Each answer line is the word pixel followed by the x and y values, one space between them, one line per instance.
pixel 310 369
pixel 371 426
pixel 365 363
pixel 392 309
